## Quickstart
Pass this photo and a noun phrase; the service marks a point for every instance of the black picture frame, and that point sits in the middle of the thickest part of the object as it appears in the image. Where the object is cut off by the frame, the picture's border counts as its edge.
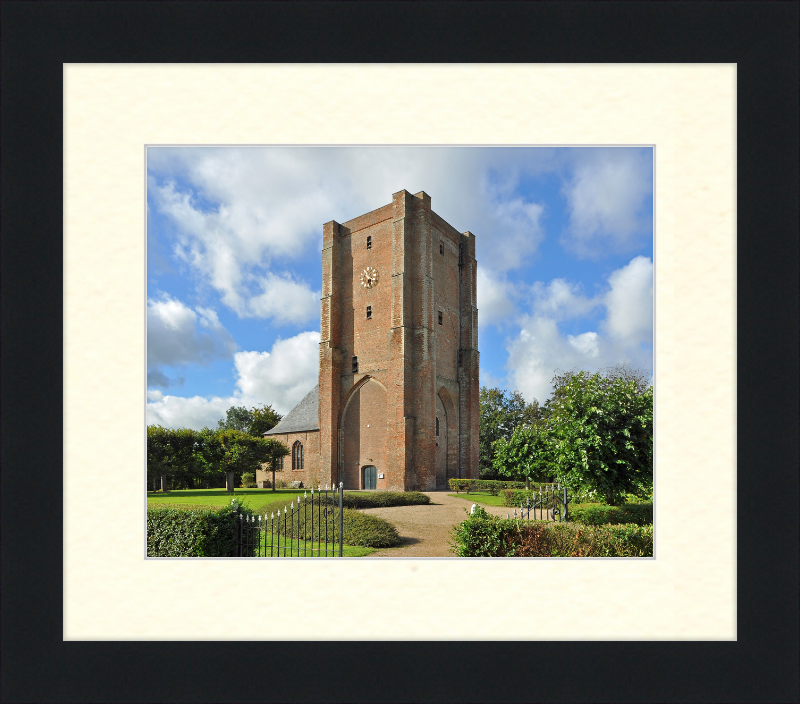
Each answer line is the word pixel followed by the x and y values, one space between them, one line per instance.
pixel 761 38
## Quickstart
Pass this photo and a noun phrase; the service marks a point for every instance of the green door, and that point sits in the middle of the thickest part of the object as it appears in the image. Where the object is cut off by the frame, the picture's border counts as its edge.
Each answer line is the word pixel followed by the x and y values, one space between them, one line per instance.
pixel 370 477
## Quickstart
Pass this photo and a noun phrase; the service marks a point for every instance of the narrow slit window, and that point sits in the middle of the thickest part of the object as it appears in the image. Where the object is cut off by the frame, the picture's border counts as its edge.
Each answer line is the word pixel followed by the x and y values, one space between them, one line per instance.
pixel 355 365
pixel 369 241
pixel 369 312
pixel 440 317
pixel 437 427
pixel 441 247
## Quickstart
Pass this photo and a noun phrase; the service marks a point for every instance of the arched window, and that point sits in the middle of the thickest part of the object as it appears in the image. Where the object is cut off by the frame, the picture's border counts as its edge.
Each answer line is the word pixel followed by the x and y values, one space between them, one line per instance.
pixel 297 455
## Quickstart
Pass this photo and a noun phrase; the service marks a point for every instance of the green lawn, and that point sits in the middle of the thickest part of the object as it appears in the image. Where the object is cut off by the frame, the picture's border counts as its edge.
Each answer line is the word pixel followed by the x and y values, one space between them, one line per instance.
pixel 312 548
pixel 480 497
pixel 256 500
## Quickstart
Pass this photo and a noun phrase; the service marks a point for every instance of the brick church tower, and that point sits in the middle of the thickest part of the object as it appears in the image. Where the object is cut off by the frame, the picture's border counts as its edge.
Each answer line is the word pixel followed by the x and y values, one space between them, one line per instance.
pixel 398 356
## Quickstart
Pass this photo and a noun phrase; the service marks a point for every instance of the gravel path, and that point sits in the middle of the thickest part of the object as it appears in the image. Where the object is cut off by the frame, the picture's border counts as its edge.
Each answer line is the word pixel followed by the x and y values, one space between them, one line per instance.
pixel 425 530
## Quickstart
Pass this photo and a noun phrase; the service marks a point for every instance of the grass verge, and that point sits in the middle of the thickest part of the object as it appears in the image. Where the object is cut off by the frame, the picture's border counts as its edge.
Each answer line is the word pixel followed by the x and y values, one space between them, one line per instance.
pixel 258 500
pixel 313 549
pixel 480 497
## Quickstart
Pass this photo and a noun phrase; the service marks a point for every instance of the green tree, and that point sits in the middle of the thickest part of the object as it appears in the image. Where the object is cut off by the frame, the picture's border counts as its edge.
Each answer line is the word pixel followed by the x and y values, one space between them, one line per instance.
pixel 500 413
pixel 170 451
pixel 601 430
pixel 236 418
pixel 240 452
pixel 264 419
pixel 527 454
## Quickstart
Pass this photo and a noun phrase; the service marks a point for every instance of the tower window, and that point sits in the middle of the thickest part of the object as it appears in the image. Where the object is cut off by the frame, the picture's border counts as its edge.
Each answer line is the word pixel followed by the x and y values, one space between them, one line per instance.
pixel 441 247
pixel 355 365
pixel 437 426
pixel 369 241
pixel 369 312
pixel 297 455
pixel 440 317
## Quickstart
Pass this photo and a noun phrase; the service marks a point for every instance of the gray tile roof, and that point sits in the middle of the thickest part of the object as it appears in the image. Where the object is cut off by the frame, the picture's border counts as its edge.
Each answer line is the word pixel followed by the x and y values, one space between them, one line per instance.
pixel 304 416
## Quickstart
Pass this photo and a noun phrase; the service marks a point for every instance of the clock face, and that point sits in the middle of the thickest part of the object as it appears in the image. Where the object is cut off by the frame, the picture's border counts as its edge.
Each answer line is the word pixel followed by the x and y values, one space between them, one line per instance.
pixel 369 277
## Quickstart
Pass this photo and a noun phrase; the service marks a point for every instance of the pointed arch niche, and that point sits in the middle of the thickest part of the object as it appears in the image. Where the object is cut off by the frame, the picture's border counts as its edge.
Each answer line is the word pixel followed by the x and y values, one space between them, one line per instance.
pixel 364 432
pixel 446 439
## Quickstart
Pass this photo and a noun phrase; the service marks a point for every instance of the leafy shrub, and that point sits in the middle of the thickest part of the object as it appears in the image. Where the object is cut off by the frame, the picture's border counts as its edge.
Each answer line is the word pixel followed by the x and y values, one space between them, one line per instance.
pixel 248 480
pixel 600 514
pixel 361 529
pixel 586 495
pixel 192 532
pixel 544 497
pixel 368 531
pixel 482 535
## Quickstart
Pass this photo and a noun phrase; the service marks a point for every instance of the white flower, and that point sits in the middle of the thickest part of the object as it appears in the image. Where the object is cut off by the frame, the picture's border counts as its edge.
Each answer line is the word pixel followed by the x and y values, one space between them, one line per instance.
pixel 474 506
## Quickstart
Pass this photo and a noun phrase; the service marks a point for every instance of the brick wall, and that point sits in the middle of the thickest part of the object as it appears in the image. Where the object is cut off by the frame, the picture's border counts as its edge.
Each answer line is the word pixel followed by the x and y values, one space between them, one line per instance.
pixel 311 460
pixel 384 414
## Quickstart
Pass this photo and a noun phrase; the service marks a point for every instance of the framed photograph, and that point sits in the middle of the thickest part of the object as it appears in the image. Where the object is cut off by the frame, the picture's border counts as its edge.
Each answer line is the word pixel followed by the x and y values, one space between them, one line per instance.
pixel 97 595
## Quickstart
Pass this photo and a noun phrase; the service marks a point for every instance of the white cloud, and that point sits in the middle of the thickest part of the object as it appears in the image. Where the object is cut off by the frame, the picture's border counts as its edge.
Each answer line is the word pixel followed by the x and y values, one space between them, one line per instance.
pixel 630 303
pixel 625 333
pixel 285 300
pixel 518 233
pixel 561 300
pixel 606 195
pixel 195 412
pixel 178 335
pixel 496 298
pixel 540 349
pixel 241 214
pixel 586 343
pixel 281 378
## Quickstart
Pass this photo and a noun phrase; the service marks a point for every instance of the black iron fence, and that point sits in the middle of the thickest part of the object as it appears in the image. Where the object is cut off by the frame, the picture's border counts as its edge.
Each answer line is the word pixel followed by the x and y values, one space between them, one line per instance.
pixel 548 502
pixel 311 526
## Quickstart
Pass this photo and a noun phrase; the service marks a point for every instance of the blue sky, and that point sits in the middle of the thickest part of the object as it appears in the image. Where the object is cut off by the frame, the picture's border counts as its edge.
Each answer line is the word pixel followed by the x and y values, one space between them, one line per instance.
pixel 564 240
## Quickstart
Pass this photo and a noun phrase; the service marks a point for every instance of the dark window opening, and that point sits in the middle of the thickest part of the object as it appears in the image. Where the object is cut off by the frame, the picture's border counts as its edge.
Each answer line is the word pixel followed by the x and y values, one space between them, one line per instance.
pixel 369 312
pixel 297 455
pixel 440 317
pixel 355 365
pixel 369 241
pixel 437 427
pixel 441 247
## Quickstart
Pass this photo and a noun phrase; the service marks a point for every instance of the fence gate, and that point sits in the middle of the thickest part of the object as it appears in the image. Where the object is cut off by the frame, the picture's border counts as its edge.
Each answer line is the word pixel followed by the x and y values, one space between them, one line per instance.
pixel 549 502
pixel 312 525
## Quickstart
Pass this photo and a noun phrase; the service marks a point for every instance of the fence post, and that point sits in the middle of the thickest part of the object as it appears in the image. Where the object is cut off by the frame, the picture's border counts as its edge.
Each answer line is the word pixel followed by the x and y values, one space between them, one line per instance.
pixel 341 519
pixel 566 505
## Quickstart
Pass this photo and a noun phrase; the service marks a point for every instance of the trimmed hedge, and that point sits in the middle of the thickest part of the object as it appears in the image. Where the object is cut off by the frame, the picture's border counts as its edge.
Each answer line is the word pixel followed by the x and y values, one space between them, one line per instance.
pixel 380 499
pixel 493 486
pixel 602 514
pixel 361 529
pixel 191 532
pixel 483 535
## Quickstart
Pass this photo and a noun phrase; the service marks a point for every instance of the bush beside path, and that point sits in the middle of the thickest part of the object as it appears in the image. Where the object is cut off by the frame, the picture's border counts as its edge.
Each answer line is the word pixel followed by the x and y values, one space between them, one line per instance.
pixel 425 531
